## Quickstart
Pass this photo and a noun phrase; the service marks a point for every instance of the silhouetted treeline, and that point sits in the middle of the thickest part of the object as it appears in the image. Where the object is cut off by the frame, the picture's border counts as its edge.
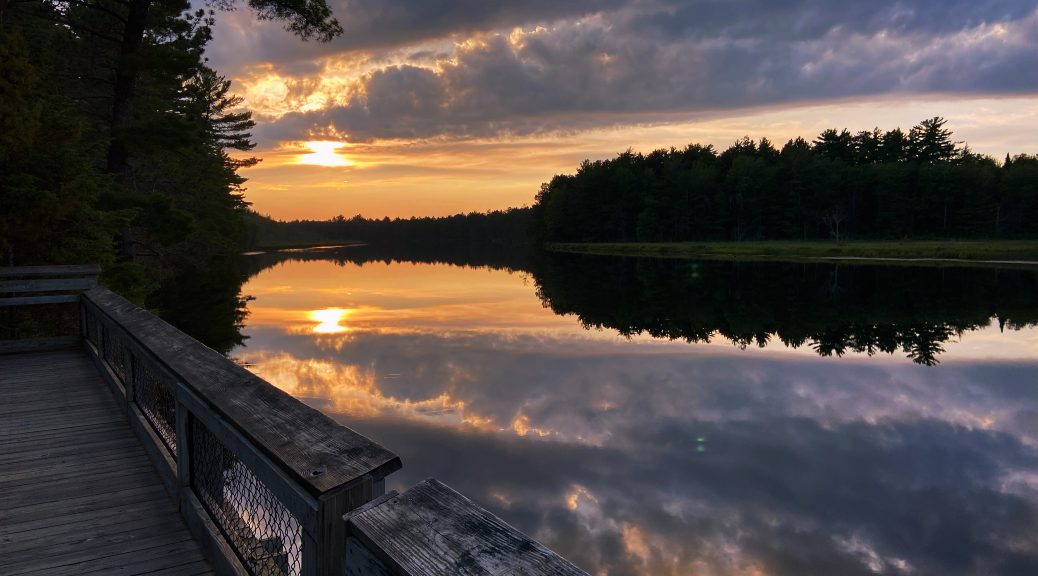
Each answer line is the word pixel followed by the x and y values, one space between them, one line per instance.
pixel 465 255
pixel 832 308
pixel 872 184
pixel 504 229
pixel 116 137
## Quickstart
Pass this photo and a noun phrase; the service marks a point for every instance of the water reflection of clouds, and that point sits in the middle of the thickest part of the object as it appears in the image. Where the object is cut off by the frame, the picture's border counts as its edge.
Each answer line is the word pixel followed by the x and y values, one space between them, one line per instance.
pixel 668 461
pixel 558 384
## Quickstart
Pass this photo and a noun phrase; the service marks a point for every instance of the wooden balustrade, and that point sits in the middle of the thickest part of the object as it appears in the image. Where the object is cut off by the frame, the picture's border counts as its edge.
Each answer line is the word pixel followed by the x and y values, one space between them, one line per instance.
pixel 41 285
pixel 262 479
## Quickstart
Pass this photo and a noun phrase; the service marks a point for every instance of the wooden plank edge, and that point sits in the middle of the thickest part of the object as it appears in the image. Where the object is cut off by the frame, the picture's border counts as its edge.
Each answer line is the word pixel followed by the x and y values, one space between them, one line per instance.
pixel 30 285
pixel 38 344
pixel 34 300
pixel 55 270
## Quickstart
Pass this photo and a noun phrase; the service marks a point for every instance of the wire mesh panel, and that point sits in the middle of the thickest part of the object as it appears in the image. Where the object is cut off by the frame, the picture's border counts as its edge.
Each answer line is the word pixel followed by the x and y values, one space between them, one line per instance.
pixel 264 534
pixel 115 354
pixel 93 327
pixel 157 403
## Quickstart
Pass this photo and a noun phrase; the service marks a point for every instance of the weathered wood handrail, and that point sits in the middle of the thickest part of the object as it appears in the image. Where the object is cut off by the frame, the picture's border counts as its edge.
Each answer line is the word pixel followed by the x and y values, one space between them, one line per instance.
pixel 262 479
pixel 37 285
pixel 430 529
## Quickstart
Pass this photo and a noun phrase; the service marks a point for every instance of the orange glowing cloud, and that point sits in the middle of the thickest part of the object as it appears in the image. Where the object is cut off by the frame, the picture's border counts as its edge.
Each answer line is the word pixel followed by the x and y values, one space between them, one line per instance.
pixel 356 391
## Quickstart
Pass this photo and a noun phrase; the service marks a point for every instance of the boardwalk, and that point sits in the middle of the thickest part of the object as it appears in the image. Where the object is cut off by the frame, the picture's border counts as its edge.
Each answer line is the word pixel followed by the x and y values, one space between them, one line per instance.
pixel 78 494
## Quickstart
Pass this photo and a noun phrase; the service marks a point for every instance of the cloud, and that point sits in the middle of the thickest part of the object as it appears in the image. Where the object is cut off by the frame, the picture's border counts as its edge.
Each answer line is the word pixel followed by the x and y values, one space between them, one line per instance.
pixel 380 26
pixel 645 62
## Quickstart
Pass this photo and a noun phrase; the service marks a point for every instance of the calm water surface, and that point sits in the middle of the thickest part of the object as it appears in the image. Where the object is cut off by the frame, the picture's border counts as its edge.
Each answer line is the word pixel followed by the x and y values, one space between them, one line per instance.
pixel 655 417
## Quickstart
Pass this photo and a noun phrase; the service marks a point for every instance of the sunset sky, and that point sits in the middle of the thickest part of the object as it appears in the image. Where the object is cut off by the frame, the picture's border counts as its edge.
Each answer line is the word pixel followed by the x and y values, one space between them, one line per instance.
pixel 433 108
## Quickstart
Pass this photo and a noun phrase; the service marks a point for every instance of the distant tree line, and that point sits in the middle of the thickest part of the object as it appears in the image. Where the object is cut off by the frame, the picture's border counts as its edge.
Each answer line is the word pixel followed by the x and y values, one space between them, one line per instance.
pixel 500 228
pixel 873 184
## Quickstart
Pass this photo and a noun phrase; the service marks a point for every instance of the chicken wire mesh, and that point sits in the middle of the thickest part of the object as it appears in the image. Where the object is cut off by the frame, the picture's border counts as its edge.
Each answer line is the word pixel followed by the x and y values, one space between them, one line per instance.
pixel 157 403
pixel 115 353
pixel 262 531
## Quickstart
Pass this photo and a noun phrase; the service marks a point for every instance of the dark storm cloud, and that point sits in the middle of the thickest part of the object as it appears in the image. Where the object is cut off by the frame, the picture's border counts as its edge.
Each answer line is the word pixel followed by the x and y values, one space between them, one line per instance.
pixel 645 59
pixel 373 25
pixel 800 20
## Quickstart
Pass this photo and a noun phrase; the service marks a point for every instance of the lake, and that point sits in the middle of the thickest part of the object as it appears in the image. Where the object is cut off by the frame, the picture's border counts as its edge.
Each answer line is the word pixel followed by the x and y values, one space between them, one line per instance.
pixel 648 416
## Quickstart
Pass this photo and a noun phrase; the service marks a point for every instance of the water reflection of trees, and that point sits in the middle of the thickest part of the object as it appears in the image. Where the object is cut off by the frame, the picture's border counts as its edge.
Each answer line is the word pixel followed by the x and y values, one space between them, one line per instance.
pixel 832 308
pixel 207 302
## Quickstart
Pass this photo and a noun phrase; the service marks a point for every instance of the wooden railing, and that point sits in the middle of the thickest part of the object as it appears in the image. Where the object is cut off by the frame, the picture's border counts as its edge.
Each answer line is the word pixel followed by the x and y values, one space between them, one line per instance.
pixel 266 484
pixel 25 286
pixel 262 479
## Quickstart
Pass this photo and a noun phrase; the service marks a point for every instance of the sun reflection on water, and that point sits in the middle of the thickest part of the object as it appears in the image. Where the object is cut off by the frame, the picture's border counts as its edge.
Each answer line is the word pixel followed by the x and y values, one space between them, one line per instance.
pixel 329 320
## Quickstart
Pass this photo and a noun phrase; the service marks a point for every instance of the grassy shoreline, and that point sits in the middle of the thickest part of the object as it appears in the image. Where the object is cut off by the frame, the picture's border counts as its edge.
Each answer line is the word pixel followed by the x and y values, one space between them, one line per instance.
pixel 1001 252
pixel 305 245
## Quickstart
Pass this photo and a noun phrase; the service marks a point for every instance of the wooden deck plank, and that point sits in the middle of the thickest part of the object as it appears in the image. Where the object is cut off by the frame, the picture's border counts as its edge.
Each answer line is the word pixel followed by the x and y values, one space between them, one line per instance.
pixel 64 403
pixel 78 494
pixel 139 562
pixel 144 506
pixel 28 444
pixel 74 542
pixel 20 497
pixel 15 436
pixel 57 475
pixel 192 569
pixel 107 557
pixel 89 527
pixel 55 425
pixel 44 454
pixel 78 461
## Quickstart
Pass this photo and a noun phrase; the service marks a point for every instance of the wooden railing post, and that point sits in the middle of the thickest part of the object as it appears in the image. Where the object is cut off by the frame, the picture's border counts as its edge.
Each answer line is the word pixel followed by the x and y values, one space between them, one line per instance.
pixel 331 508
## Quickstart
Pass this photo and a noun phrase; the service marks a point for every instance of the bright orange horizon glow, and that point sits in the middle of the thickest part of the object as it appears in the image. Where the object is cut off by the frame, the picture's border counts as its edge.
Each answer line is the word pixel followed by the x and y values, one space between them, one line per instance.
pixel 440 177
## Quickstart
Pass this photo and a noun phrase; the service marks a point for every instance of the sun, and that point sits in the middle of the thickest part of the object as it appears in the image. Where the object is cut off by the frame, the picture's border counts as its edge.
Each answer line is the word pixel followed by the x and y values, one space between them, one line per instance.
pixel 324 154
pixel 329 320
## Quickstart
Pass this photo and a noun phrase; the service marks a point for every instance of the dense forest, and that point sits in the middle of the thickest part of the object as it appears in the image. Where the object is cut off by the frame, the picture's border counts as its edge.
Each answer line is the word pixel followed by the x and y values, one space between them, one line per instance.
pixel 118 144
pixel 873 184
pixel 507 229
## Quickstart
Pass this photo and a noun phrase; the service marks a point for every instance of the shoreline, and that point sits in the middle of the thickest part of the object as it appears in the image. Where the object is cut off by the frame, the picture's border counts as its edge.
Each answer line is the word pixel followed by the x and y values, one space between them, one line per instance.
pixel 995 253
